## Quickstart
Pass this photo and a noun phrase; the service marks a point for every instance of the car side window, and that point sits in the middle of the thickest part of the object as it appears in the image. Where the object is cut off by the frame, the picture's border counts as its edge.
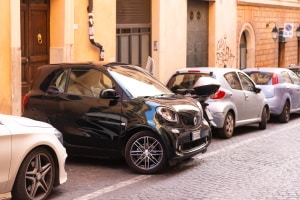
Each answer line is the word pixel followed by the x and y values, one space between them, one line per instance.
pixel 184 81
pixel 294 78
pixel 246 82
pixel 88 82
pixel 60 81
pixel 174 82
pixel 261 78
pixel 285 77
pixel 233 80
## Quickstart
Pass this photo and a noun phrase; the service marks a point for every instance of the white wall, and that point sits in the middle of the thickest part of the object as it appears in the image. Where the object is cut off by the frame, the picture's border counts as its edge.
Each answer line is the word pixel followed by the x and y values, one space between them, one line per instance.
pixel 225 33
pixel 15 28
pixel 169 25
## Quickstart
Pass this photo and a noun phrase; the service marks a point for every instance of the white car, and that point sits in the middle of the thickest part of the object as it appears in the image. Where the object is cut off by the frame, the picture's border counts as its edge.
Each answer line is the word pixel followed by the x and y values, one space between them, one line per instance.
pixel 32 158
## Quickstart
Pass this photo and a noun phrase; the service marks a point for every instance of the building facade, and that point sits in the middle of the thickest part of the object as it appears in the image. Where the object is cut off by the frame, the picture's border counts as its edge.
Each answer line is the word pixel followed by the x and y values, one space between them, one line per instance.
pixel 255 22
pixel 175 33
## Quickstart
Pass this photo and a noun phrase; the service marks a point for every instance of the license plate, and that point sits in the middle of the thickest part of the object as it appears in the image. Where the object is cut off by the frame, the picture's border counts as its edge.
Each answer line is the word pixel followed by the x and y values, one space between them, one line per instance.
pixel 196 135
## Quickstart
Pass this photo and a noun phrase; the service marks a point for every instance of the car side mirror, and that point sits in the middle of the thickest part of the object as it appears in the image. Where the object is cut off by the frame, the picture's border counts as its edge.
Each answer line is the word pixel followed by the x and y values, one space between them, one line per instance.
pixel 53 90
pixel 109 94
pixel 257 89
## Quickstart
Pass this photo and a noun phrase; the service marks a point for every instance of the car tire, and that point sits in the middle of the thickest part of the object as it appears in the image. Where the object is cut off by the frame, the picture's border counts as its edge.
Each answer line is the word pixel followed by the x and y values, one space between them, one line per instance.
pixel 37 171
pixel 228 127
pixel 264 119
pixel 284 117
pixel 145 153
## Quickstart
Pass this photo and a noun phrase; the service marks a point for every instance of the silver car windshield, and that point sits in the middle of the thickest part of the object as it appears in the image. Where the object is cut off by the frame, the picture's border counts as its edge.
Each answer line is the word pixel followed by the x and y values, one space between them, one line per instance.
pixel 138 83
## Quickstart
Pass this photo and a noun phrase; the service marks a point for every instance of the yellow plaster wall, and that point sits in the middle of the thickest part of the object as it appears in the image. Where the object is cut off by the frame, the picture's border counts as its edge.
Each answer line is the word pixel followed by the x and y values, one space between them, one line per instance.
pixel 104 30
pixel 211 34
pixel 57 30
pixel 155 35
pixel 5 56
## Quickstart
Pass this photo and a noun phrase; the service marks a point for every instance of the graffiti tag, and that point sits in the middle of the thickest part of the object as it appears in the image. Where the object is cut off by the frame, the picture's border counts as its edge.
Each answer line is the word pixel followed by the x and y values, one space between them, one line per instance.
pixel 225 56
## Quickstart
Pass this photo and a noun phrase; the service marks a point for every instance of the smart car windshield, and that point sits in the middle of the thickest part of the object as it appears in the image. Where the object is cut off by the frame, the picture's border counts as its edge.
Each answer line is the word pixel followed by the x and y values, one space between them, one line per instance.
pixel 137 82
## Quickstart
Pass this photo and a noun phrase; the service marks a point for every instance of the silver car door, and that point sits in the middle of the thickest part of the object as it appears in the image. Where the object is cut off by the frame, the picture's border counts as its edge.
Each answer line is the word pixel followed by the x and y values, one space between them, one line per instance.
pixel 254 101
pixel 237 97
pixel 295 90
pixel 289 87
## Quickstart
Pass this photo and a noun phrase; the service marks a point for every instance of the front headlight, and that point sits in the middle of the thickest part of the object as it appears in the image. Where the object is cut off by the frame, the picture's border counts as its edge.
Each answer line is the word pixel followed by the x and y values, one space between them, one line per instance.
pixel 58 135
pixel 168 114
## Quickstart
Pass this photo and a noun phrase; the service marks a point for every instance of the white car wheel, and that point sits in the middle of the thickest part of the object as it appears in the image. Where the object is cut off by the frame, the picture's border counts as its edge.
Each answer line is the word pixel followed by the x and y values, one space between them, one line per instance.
pixel 36 176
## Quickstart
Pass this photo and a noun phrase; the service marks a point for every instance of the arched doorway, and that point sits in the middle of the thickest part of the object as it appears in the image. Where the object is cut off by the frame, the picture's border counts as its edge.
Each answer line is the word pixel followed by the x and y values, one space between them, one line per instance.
pixel 247 47
pixel 243 51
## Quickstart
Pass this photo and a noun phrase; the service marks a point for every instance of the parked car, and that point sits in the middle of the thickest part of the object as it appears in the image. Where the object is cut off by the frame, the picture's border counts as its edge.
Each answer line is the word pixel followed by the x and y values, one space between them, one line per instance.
pixel 281 87
pixel 239 101
pixel 110 110
pixel 32 158
pixel 295 69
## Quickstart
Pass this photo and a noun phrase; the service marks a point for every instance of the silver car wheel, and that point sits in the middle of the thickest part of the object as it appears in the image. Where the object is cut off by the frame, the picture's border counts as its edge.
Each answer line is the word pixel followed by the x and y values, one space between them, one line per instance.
pixel 264 118
pixel 145 153
pixel 284 117
pixel 228 128
pixel 229 124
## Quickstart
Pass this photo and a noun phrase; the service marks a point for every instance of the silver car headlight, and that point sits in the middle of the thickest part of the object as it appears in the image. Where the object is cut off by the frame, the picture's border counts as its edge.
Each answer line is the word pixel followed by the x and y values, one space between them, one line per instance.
pixel 199 105
pixel 168 114
pixel 59 135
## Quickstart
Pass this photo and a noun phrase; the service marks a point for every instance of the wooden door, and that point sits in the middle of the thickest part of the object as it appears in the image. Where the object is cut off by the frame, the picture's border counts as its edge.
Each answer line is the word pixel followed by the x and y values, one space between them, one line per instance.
pixel 34 38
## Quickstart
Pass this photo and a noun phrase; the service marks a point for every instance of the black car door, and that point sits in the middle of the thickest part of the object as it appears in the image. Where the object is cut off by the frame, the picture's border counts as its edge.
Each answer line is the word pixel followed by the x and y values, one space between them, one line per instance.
pixel 88 122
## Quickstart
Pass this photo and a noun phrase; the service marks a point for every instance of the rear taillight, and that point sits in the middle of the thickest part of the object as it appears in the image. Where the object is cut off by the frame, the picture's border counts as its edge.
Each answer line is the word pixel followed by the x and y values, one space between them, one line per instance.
pixel 274 79
pixel 218 95
pixel 25 99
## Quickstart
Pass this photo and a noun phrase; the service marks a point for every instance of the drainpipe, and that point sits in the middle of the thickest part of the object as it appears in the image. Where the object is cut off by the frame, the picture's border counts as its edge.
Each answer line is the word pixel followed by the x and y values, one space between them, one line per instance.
pixel 91 30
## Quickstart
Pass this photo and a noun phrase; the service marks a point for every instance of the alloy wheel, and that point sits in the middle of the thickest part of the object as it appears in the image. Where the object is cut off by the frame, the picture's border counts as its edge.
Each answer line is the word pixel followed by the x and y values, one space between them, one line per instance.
pixel 145 153
pixel 36 176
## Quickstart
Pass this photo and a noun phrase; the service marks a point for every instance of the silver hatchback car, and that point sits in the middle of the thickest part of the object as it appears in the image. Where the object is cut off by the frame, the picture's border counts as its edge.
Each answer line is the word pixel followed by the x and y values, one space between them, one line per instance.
pixel 238 102
pixel 281 87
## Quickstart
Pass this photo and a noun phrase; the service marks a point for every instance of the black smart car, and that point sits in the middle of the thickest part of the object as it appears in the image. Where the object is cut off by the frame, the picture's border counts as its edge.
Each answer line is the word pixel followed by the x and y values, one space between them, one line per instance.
pixel 111 109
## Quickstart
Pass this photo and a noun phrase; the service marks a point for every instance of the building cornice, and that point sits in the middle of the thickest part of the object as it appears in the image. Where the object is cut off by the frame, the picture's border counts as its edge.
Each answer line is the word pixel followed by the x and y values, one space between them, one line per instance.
pixel 271 3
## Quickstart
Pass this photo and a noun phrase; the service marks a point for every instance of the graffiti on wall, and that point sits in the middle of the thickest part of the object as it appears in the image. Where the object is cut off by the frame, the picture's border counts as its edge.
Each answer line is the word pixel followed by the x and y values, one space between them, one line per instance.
pixel 224 57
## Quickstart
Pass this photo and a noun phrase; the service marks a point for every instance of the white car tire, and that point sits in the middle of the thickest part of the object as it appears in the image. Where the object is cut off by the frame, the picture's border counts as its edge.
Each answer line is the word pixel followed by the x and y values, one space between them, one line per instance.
pixel 36 176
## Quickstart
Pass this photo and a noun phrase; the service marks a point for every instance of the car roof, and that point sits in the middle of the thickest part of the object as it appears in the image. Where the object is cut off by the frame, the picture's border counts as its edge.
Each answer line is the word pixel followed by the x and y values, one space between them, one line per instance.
pixel 266 69
pixel 45 70
pixel 80 65
pixel 206 70
pixel 294 67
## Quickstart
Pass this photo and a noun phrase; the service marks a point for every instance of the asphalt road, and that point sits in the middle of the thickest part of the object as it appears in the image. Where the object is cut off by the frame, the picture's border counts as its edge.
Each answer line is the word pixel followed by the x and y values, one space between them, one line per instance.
pixel 253 164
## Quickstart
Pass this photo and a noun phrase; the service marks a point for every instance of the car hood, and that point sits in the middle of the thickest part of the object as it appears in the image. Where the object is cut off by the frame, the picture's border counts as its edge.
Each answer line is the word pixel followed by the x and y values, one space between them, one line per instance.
pixel 178 102
pixel 17 124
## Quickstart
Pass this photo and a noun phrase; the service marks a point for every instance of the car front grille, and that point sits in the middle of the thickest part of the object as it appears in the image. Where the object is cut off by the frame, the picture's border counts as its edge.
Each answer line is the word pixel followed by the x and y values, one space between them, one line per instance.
pixel 194 144
pixel 190 119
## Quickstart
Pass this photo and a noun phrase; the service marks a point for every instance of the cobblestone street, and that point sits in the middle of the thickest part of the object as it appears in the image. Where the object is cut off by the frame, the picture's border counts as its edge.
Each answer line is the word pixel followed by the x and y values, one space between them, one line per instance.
pixel 252 165
pixel 264 167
